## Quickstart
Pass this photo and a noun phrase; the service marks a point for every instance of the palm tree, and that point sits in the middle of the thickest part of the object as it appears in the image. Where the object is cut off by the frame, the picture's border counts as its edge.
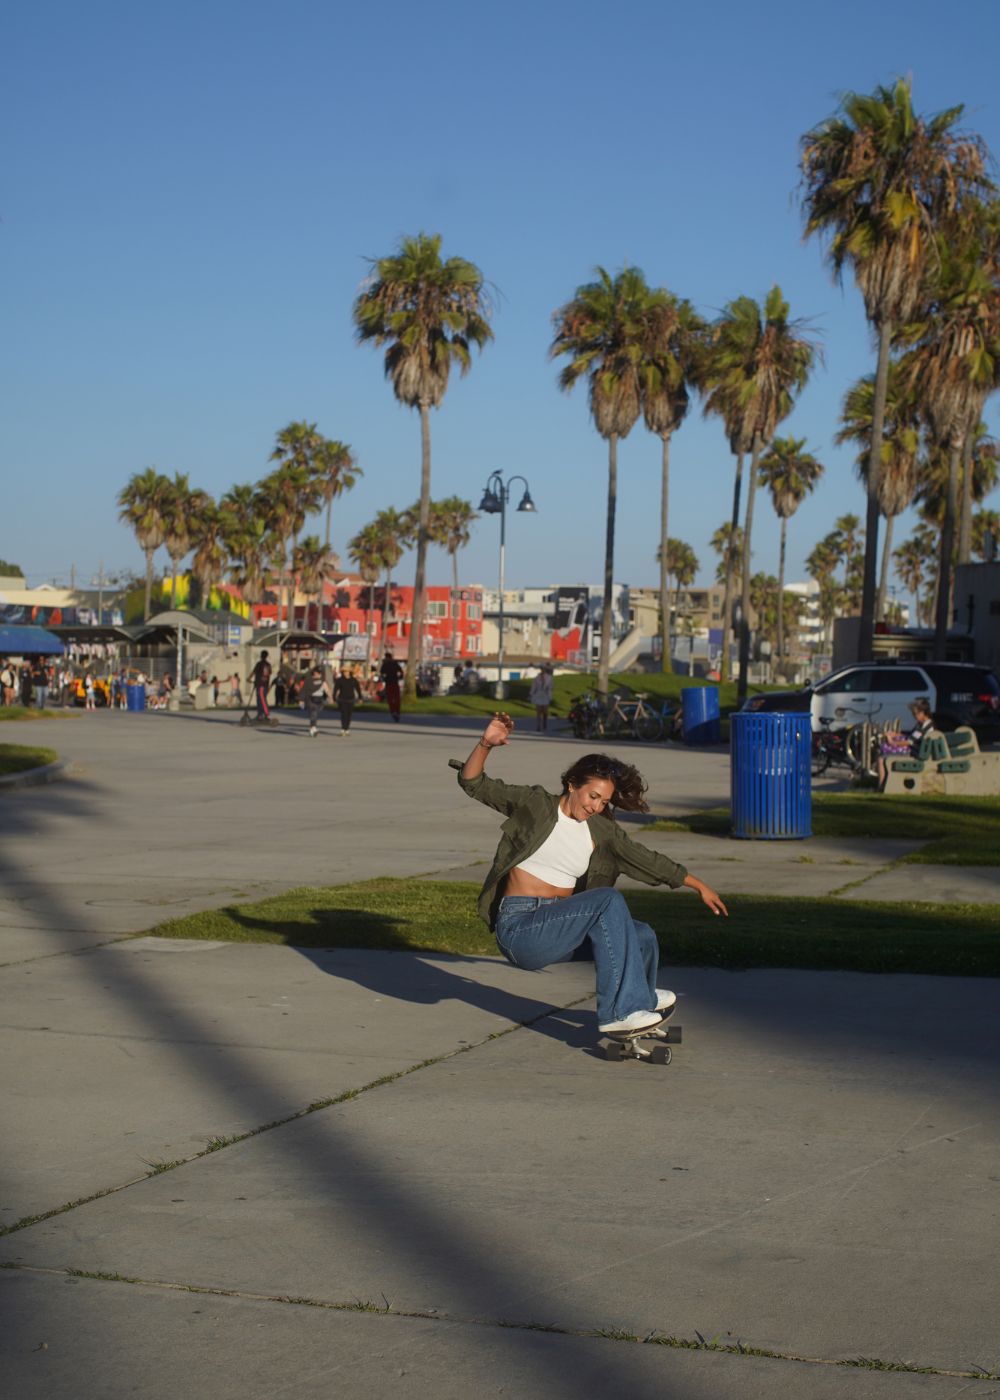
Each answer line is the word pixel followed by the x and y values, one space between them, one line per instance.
pixel 847 535
pixel 335 471
pixel 365 552
pixel 789 473
pixel 394 531
pixel 911 562
pixel 210 553
pixel 450 524
pixel 181 522
pixel 900 445
pixel 430 313
pixel 821 565
pixel 312 565
pixel 727 543
pixel 672 350
pixel 143 504
pixel 878 180
pixel 602 331
pixel 758 359
pixel 680 563
pixel 955 366
pixel 253 549
pixel 985 527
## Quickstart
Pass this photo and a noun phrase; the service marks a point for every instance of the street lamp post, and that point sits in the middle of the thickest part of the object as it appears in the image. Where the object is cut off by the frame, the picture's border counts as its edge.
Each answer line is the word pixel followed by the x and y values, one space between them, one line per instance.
pixel 496 494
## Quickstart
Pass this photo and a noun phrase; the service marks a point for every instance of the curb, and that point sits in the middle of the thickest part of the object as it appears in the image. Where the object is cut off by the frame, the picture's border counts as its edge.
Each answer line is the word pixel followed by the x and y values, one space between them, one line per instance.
pixel 34 777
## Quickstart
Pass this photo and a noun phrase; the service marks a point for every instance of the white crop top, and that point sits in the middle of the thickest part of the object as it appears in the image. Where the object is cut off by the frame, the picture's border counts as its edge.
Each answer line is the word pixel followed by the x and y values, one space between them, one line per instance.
pixel 563 856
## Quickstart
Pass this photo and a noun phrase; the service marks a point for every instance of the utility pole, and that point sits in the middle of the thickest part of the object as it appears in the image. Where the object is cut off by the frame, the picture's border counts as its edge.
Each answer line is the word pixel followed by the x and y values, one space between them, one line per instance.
pixel 72 575
pixel 100 582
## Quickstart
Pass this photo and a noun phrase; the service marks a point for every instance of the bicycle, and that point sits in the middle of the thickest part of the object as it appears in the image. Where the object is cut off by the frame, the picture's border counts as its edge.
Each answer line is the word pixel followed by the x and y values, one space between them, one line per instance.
pixel 634 717
pixel 855 747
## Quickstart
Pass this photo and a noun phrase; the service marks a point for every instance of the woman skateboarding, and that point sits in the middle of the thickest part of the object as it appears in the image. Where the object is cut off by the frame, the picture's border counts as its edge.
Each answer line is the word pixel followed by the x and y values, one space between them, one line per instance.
pixel 549 896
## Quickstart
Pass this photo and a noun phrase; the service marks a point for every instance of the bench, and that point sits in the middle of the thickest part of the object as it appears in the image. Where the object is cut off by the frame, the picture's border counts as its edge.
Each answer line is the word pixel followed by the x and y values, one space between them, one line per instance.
pixel 946 763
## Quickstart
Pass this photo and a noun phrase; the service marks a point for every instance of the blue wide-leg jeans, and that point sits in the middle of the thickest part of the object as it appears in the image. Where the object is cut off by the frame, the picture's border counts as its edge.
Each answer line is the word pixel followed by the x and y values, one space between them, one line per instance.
pixel 532 933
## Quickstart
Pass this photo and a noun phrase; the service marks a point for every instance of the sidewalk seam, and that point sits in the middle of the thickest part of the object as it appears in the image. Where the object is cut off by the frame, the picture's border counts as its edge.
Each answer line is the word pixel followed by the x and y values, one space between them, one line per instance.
pixel 611 1334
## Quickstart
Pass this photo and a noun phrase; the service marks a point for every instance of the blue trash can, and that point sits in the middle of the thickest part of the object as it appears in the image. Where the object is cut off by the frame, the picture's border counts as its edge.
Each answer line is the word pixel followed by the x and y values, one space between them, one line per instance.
pixel 700 714
pixel 135 697
pixel 770 766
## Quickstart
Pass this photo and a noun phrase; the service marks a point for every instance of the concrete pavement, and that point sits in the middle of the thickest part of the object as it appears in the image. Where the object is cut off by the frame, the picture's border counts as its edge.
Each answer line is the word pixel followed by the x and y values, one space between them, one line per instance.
pixel 425 1150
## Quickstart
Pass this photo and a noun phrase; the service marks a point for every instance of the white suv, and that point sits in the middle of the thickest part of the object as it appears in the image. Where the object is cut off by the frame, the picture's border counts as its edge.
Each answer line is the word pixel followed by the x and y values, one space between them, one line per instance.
pixel 959 693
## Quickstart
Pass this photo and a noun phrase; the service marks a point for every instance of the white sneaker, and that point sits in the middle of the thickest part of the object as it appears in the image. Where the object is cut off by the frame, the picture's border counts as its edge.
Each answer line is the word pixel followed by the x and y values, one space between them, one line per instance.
pixel 634 1021
pixel 312 733
pixel 665 1001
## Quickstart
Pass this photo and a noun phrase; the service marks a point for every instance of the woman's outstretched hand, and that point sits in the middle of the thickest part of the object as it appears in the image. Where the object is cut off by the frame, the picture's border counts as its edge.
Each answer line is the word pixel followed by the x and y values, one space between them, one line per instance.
pixel 706 894
pixel 498 730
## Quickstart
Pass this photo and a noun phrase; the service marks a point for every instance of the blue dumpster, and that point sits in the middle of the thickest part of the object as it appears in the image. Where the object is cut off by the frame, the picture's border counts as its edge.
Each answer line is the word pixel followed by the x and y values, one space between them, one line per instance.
pixel 700 714
pixel 135 697
pixel 771 776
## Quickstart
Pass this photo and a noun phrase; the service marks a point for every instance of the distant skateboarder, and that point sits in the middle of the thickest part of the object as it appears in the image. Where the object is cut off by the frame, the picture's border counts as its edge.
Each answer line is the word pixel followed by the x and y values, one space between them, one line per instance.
pixel 260 679
pixel 390 674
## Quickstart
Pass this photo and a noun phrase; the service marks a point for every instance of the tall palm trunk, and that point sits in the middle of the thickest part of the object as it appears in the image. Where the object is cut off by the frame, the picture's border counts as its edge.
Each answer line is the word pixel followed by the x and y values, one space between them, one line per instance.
pixel 666 664
pixel 741 691
pixel 329 508
pixel 781 590
pixel 413 652
pixel 965 514
pixel 454 602
pixel 386 599
pixel 867 625
pixel 883 583
pixel 727 597
pixel 173 582
pixel 942 612
pixel 148 605
pixel 603 664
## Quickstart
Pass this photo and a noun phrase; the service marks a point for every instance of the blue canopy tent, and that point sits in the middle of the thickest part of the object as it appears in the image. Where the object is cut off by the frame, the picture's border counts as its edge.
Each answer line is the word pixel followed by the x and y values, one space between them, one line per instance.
pixel 20 640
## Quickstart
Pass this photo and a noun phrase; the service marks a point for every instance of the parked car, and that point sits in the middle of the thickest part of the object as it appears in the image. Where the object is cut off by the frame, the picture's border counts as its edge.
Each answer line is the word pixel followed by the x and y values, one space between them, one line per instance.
pixel 882 691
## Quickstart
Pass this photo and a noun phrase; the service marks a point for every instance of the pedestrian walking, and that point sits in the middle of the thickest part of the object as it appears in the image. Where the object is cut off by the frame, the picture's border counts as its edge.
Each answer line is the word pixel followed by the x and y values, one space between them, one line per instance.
pixel 540 696
pixel 315 695
pixel 40 681
pixel 260 681
pixel 346 694
pixel 390 674
pixel 89 703
pixel 7 683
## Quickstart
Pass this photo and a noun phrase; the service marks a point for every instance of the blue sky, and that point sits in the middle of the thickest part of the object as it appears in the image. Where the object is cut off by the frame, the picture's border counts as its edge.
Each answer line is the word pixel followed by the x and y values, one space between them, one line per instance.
pixel 191 191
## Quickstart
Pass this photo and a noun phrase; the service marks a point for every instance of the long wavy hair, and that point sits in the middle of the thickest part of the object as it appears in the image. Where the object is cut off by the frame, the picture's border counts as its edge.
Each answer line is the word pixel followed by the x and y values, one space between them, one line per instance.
pixel 630 786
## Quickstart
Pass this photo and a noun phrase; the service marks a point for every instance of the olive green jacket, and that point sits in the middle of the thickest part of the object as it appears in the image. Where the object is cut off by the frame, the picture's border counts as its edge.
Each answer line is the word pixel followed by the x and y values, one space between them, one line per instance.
pixel 531 817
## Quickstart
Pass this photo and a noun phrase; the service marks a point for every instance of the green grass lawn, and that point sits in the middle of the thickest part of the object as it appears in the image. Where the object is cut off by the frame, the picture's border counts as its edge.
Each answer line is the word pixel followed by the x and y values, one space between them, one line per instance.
pixel 19 758
pixel 956 830
pixel 566 689
pixel 761 931
pixel 20 712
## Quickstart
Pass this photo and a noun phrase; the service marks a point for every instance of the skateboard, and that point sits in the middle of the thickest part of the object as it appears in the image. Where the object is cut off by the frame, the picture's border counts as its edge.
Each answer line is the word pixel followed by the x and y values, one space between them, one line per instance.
pixel 245 720
pixel 653 1045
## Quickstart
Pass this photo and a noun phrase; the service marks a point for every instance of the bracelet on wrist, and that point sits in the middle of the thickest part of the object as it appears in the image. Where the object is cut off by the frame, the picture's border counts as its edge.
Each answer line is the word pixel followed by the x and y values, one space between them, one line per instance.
pixel 484 745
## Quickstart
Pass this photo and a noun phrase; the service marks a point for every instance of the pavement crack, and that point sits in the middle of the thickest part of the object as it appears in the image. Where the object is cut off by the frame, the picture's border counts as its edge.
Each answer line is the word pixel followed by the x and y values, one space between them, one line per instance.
pixel 726 1345
pixel 218 1144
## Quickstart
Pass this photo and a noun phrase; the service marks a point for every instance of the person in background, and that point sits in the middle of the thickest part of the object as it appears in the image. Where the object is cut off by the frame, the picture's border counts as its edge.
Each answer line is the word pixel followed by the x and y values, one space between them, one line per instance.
pixel 6 683
pixel 89 702
pixel 235 689
pixel 897 743
pixel 27 684
pixel 346 694
pixel 260 680
pixel 315 694
pixel 40 681
pixel 390 674
pixel 540 696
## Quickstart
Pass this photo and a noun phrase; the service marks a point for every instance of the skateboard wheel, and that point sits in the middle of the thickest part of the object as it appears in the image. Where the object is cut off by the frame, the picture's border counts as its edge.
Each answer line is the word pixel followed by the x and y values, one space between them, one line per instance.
pixel 613 1050
pixel 661 1055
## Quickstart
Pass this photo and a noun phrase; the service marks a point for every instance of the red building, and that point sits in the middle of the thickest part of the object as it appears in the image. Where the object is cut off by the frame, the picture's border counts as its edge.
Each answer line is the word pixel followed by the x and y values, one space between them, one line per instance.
pixel 351 608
